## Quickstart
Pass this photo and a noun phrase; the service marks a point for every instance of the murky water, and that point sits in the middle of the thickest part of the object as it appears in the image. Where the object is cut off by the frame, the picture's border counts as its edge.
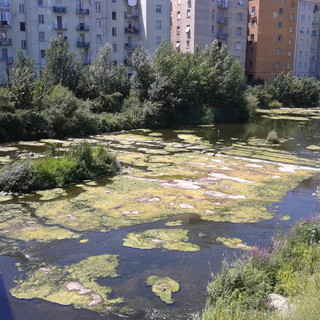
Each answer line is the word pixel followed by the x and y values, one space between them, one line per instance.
pixel 192 270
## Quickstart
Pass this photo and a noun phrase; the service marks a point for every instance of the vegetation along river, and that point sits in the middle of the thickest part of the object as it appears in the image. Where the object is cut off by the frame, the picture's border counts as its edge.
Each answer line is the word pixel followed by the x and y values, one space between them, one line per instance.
pixel 145 243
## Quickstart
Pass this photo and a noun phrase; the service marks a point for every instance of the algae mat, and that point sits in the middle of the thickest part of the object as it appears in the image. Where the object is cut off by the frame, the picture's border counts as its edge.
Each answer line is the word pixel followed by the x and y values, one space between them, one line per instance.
pixel 236 184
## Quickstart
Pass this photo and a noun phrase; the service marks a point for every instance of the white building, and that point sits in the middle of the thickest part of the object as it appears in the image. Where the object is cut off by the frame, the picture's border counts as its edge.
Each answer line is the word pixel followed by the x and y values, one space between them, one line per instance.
pixel 307 39
pixel 86 24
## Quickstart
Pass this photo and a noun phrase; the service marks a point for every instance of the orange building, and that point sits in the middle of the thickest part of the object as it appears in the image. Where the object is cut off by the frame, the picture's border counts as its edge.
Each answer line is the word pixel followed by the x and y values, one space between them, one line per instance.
pixel 271 38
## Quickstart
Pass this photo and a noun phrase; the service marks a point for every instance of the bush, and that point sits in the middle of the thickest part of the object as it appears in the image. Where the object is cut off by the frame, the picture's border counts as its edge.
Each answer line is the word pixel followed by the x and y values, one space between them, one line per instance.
pixel 82 162
pixel 273 138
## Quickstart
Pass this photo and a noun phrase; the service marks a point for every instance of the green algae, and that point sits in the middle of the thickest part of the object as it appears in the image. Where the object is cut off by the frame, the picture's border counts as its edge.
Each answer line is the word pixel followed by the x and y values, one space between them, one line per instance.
pixel 72 285
pixel 173 223
pixel 313 147
pixel 51 194
pixel 31 143
pixel 295 118
pixel 233 243
pixel 5 198
pixel 163 287
pixel 285 218
pixel 84 240
pixel 291 111
pixel 189 138
pixel 170 239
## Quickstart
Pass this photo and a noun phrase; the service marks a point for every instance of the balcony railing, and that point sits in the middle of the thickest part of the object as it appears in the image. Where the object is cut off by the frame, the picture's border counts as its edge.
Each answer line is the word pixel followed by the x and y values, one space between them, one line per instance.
pixel 83 44
pixel 223 20
pixel 83 27
pixel 131 29
pixel 60 26
pixel 131 15
pixel 82 11
pixel 223 4
pixel 5 42
pixel 222 35
pixel 60 9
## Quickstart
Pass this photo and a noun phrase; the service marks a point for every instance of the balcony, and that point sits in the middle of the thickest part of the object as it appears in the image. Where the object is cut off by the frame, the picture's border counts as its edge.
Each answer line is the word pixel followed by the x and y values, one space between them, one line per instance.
pixel 4 24
pixel 5 42
pixel 83 44
pixel 131 30
pixel 131 15
pixel 8 60
pixel 129 46
pixel 83 27
pixel 222 35
pixel 315 23
pixel 223 20
pixel 82 11
pixel 59 9
pixel 223 4
pixel 314 34
pixel 60 26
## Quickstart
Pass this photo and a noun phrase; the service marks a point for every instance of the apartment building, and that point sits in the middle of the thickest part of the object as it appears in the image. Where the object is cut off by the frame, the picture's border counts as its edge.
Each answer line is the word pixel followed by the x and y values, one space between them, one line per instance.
pixel 307 40
pixel 197 23
pixel 86 24
pixel 271 38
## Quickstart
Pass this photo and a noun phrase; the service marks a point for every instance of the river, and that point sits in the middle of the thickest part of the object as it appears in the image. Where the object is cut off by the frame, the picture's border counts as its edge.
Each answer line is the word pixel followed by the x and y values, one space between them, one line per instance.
pixel 223 187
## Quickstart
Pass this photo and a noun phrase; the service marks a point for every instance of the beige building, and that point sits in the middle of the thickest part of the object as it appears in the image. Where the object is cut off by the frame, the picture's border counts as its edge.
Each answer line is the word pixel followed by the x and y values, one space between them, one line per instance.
pixel 307 39
pixel 86 24
pixel 196 23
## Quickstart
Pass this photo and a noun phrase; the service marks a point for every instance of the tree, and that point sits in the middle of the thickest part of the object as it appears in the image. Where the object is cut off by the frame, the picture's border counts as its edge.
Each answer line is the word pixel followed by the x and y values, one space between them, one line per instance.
pixel 62 67
pixel 22 81
pixel 106 78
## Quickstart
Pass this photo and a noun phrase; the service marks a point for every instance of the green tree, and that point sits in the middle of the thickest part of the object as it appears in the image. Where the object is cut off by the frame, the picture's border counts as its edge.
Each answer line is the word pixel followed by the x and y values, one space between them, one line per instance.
pixel 22 81
pixel 62 67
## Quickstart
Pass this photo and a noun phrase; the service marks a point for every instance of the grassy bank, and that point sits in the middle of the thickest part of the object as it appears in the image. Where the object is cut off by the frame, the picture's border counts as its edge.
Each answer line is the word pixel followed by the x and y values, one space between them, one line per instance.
pixel 289 268
pixel 81 162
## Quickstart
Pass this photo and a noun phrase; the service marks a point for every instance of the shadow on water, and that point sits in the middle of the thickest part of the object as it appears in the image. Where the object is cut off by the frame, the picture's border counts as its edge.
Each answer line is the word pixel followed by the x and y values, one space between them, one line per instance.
pixel 5 308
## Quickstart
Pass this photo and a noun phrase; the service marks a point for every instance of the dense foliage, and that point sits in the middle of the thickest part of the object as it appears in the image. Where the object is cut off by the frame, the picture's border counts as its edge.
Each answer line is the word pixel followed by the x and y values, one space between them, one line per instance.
pixel 288 91
pixel 80 163
pixel 167 89
pixel 290 268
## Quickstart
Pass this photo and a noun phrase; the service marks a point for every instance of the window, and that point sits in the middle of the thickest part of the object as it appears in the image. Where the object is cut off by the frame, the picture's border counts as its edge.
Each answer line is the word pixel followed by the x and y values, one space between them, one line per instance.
pixel 23 44
pixel 114 63
pixel 279 24
pixel 302 29
pixel 189 3
pixel 114 32
pixel 158 40
pixel 114 47
pixel 41 36
pixel 240 2
pixel 158 24
pixel 40 2
pixel 280 10
pixel 42 54
pixel 114 15
pixel 253 24
pixel 277 65
pixel 278 51
pixel 178 15
pixel 21 8
pixel 300 53
pixel 279 37
pixel 239 16
pixel 250 64
pixel 212 29
pixel 238 46
pixel 98 38
pixel 98 23
pixel 299 65
pixel 289 53
pixel 41 18
pixel 188 44
pixel 213 14
pixel 98 6
pixel 188 32
pixel 178 29
pixel 303 18
pixel 158 8
pixel 252 37
pixel 22 26
pixel 290 41
pixel 188 13
pixel 251 51
pixel 253 9
pixel 291 29
pixel 291 17
pixel 288 65
pixel 114 1
pixel 178 1
pixel 239 31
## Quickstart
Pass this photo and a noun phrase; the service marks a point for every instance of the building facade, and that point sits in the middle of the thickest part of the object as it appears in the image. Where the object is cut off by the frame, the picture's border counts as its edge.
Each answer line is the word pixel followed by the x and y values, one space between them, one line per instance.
pixel 86 24
pixel 197 23
pixel 307 40
pixel 271 38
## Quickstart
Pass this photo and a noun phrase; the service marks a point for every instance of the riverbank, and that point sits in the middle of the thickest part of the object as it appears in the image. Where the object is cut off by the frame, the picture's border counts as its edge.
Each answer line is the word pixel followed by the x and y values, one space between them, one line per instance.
pixel 279 282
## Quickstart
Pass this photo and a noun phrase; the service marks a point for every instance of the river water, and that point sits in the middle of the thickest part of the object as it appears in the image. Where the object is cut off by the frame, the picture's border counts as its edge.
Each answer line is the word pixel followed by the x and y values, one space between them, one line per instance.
pixel 192 269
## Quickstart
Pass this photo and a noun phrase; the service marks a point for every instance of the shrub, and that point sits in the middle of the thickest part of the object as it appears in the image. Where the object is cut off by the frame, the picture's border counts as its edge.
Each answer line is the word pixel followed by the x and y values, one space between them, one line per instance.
pixel 274 104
